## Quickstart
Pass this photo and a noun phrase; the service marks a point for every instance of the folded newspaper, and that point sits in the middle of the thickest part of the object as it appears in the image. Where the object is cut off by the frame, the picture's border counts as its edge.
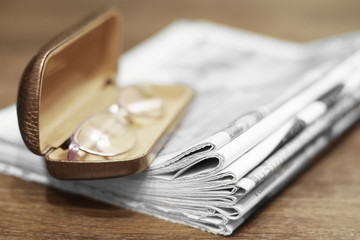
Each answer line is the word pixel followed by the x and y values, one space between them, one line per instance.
pixel 263 109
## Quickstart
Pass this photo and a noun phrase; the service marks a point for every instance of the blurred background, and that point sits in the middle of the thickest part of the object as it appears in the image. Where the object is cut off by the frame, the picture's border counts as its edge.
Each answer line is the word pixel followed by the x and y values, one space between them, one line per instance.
pixel 26 25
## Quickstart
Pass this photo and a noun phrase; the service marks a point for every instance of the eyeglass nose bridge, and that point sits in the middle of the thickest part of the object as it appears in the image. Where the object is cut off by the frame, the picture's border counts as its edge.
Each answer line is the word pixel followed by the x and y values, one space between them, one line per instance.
pixel 121 114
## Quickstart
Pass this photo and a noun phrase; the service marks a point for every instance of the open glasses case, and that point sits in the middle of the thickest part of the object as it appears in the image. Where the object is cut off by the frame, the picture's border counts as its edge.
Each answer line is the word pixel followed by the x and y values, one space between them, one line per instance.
pixel 73 77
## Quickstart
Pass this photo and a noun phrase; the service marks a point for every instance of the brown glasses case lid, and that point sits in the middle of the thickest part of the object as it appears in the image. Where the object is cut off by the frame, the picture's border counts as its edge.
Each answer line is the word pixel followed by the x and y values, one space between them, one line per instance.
pixel 72 77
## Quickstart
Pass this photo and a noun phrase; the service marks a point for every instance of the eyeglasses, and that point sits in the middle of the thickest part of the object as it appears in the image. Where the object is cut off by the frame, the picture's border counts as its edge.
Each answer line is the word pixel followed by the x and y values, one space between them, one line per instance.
pixel 110 133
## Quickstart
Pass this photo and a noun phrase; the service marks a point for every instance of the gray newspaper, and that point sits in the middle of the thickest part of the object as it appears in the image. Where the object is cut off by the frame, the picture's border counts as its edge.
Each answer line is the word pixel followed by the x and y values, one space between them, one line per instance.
pixel 262 109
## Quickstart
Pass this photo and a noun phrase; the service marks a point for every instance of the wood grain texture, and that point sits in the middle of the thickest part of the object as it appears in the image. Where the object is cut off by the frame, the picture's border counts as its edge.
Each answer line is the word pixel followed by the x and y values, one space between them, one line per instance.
pixel 324 203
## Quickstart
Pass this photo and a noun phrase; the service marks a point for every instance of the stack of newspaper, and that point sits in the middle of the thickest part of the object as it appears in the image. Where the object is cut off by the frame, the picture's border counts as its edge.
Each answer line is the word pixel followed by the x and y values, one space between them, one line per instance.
pixel 263 108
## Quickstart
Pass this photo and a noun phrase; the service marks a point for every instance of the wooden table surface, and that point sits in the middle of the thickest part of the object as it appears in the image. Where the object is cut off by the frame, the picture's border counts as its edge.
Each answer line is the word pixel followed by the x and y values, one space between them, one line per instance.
pixel 324 203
